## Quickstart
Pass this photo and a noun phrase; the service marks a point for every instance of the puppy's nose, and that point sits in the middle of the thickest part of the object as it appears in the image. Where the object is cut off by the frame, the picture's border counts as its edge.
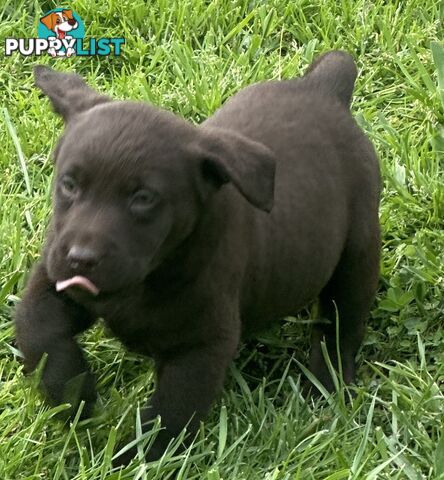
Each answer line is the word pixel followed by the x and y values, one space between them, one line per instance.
pixel 72 22
pixel 82 257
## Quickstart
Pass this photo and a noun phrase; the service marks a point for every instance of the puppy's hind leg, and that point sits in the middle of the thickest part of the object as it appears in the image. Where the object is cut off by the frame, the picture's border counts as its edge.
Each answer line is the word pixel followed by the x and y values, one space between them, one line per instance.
pixel 346 300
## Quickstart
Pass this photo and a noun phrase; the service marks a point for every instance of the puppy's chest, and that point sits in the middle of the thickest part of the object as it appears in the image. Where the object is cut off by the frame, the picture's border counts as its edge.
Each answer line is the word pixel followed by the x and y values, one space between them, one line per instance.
pixel 145 327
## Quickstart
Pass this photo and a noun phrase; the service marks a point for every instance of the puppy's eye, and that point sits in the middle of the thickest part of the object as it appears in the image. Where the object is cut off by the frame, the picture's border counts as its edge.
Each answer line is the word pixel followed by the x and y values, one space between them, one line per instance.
pixel 68 186
pixel 142 201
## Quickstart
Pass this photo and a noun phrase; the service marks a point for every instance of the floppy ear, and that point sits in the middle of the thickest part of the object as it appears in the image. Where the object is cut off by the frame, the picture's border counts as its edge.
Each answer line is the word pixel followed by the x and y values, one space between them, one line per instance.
pixel 68 13
pixel 68 93
pixel 227 156
pixel 49 20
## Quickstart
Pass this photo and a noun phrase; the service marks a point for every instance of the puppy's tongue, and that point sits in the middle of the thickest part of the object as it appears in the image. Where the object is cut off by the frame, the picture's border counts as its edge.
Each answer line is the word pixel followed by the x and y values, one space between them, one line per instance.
pixel 77 281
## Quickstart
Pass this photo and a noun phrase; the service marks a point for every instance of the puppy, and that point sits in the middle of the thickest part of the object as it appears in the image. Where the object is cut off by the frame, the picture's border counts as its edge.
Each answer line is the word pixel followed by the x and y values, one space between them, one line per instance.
pixel 60 23
pixel 186 238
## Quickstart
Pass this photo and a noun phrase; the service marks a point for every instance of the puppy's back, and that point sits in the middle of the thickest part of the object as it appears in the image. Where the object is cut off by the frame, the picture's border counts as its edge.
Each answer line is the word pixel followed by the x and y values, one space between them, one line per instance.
pixel 327 178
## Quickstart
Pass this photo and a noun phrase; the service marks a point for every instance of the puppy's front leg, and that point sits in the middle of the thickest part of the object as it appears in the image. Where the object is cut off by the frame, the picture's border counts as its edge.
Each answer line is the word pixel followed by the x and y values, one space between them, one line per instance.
pixel 46 322
pixel 187 384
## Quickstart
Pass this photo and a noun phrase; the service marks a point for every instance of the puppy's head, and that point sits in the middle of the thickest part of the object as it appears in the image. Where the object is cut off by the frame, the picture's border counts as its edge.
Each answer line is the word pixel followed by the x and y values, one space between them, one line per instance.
pixel 132 182
pixel 63 21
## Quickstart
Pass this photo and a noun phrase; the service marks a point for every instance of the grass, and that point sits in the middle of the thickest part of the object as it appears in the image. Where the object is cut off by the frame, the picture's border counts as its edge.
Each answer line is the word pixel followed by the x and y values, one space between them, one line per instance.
pixel 189 56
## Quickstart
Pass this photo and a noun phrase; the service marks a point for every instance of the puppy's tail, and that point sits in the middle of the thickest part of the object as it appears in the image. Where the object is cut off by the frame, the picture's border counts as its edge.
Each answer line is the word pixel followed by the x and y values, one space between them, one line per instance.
pixel 334 73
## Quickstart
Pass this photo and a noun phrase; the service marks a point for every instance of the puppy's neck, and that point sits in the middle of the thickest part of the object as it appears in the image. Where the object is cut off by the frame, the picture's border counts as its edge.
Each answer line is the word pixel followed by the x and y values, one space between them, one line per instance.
pixel 190 258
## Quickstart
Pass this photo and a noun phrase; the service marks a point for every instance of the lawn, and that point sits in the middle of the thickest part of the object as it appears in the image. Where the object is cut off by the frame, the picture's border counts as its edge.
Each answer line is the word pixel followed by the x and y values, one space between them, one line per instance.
pixel 189 57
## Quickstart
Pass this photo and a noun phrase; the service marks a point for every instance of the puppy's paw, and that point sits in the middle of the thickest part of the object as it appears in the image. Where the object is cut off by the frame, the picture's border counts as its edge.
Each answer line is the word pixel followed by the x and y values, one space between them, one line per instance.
pixel 125 458
pixel 78 389
pixel 154 453
pixel 324 381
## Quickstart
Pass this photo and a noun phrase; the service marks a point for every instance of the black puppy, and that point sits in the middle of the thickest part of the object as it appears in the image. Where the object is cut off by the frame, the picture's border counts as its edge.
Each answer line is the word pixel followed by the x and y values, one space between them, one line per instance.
pixel 184 238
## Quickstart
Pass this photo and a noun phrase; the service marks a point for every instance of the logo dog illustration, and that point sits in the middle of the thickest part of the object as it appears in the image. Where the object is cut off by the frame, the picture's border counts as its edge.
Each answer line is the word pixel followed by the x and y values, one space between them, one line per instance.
pixel 60 23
